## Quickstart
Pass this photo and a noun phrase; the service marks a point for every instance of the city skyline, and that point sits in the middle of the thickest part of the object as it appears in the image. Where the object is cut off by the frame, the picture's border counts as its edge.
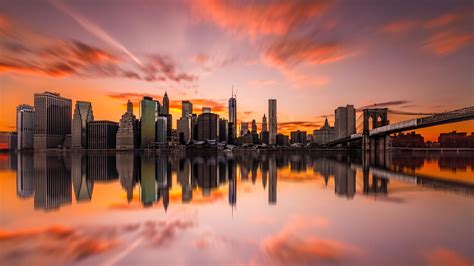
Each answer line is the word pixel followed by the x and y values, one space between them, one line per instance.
pixel 413 59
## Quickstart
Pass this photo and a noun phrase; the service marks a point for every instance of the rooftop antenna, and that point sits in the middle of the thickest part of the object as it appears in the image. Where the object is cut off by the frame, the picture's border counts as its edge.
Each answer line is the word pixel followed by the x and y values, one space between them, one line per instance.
pixel 232 96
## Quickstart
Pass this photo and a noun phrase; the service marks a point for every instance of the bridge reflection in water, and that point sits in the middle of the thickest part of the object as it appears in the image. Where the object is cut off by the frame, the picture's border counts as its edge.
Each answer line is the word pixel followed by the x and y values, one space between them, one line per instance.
pixel 52 179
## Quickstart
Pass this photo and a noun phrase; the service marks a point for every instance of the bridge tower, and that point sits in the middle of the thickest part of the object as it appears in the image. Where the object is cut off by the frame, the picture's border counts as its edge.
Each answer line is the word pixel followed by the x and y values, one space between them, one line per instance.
pixel 374 118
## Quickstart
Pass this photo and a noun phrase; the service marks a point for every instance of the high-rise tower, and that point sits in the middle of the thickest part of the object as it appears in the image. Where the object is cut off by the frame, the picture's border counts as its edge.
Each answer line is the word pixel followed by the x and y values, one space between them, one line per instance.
pixel 272 117
pixel 82 115
pixel 264 123
pixel 25 126
pixel 165 109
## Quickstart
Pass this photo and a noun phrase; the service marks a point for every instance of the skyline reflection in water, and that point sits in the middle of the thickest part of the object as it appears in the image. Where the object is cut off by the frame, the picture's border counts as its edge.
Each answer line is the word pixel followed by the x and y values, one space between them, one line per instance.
pixel 267 207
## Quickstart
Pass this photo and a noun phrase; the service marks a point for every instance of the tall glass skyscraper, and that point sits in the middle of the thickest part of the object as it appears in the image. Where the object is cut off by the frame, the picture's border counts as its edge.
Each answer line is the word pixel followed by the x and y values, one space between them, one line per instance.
pixel 272 118
pixel 25 126
pixel 147 121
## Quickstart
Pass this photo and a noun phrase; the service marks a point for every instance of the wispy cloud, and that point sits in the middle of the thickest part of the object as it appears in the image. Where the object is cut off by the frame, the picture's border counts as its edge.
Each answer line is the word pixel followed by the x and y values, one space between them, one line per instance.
pixel 447 42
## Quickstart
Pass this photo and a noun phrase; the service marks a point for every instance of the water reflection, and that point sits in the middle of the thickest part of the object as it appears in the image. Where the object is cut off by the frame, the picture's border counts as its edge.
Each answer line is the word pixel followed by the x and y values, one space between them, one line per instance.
pixel 50 177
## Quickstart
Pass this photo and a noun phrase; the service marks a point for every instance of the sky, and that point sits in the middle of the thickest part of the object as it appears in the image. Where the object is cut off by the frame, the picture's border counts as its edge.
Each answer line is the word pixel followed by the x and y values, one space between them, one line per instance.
pixel 312 56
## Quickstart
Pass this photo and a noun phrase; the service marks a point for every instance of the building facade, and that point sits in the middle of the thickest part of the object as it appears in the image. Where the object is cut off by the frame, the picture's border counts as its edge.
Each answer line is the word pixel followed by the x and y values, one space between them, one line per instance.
pixel 102 135
pixel 82 116
pixel 298 137
pixel 272 117
pixel 25 126
pixel 323 135
pixel 128 132
pixel 165 109
pixel 244 128
pixel 52 120
pixel 162 130
pixel 345 121
pixel 232 118
pixel 148 115
pixel 207 126
pixel 223 130
pixel 186 109
pixel 184 129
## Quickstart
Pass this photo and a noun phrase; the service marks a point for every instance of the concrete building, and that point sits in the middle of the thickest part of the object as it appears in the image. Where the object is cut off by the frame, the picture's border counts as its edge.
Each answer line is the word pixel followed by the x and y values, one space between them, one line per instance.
pixel 223 130
pixel 102 134
pixel 323 135
pixel 169 125
pixel 207 126
pixel 264 124
pixel 184 129
pixel 186 109
pixel 345 124
pixel 148 115
pixel 254 126
pixel 128 132
pixel 165 109
pixel 272 117
pixel 25 126
pixel 244 128
pixel 162 130
pixel 82 116
pixel 281 140
pixel 298 137
pixel 52 120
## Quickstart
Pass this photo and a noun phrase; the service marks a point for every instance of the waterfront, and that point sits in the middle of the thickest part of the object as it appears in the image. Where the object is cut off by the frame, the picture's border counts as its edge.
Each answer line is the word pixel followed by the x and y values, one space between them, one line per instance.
pixel 294 207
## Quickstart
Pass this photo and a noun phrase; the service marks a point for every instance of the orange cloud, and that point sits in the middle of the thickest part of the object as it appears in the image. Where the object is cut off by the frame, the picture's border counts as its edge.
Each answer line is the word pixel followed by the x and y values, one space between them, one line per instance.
pixel 253 19
pixel 288 52
pixel 400 26
pixel 448 18
pixel 308 126
pixel 443 256
pixel 286 247
pixel 447 42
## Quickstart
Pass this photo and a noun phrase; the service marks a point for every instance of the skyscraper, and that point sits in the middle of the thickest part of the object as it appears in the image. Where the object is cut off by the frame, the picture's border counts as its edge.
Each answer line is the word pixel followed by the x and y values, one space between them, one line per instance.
pixel 272 117
pixel 127 135
pixel 102 135
pixel 207 126
pixel 25 126
pixel 186 109
pixel 232 116
pixel 223 130
pixel 165 109
pixel 184 129
pixel 52 120
pixel 344 125
pixel 161 130
pixel 244 128
pixel 148 116
pixel 82 115
pixel 254 126
pixel 264 123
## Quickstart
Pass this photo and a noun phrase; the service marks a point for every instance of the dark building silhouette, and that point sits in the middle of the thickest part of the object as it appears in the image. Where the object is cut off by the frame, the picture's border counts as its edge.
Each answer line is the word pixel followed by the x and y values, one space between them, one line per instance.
pixel 456 140
pixel 128 171
pixel 281 140
pixel 101 166
pixel 52 182
pixel 298 137
pixel 102 134
pixel 82 116
pixel 52 120
pixel 24 175
pixel 410 140
pixel 82 184
pixel 207 126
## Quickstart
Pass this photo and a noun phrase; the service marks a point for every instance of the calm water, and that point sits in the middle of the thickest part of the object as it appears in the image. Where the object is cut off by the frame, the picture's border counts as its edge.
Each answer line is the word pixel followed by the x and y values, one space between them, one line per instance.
pixel 294 208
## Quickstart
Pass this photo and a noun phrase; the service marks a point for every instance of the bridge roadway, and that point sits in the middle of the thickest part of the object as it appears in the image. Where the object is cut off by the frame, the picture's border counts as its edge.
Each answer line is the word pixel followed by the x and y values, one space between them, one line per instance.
pixel 459 115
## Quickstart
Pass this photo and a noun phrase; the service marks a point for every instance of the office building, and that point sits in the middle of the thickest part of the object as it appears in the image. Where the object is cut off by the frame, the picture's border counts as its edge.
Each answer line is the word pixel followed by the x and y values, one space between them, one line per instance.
pixel 298 137
pixel 186 109
pixel 161 130
pixel 264 123
pixel 244 128
pixel 206 110
pixel 223 130
pixel 25 126
pixel 345 121
pixel 82 116
pixel 324 135
pixel 207 126
pixel 128 132
pixel 272 117
pixel 169 125
pixel 8 140
pixel 102 134
pixel 184 129
pixel 254 126
pixel 165 109
pixel 281 140
pixel 148 115
pixel 232 117
pixel 52 120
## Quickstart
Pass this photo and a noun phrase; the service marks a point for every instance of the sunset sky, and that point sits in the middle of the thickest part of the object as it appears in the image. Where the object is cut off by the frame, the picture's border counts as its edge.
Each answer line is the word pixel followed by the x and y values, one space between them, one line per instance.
pixel 312 56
